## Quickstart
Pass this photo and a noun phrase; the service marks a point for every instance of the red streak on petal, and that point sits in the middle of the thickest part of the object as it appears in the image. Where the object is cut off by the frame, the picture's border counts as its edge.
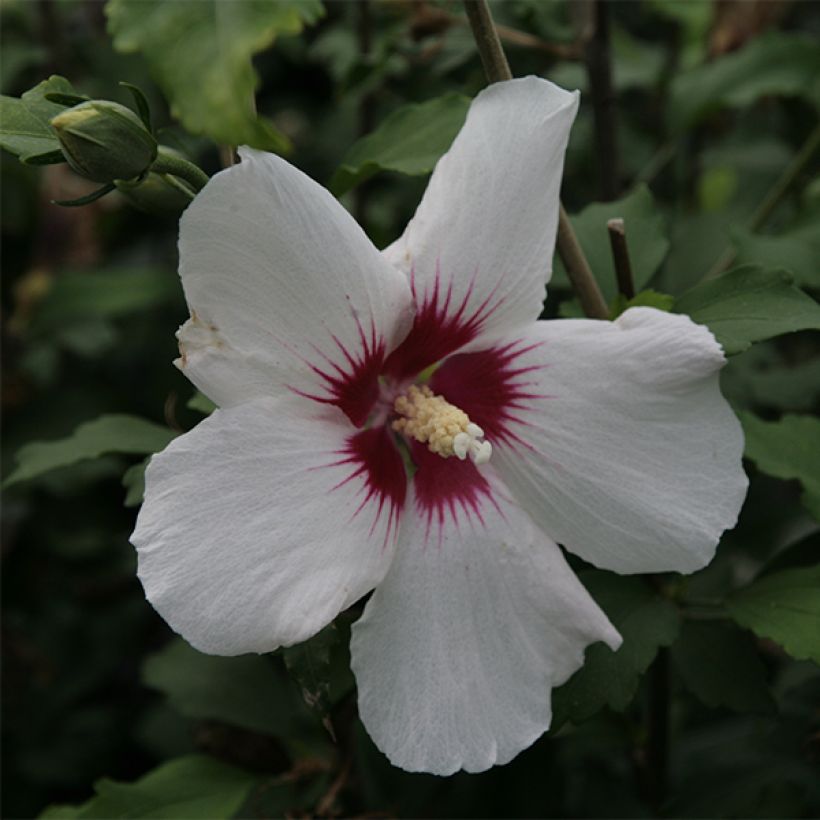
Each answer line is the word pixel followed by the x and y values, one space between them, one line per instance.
pixel 352 385
pixel 373 457
pixel 492 388
pixel 446 489
pixel 440 327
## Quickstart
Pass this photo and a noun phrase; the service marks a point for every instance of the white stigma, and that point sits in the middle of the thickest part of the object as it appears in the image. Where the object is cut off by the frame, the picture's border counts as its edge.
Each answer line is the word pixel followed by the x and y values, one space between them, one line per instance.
pixel 443 427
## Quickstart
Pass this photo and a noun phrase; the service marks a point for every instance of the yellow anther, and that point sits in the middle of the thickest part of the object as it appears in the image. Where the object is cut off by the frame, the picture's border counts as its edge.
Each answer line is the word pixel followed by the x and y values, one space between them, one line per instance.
pixel 443 427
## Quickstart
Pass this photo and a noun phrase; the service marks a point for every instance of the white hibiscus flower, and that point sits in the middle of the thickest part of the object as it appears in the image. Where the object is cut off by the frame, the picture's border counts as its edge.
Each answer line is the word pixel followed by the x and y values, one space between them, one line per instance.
pixel 328 358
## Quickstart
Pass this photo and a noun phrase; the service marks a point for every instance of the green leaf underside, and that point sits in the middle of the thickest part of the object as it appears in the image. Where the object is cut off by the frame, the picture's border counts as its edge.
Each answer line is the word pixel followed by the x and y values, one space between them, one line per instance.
pixel 720 665
pixel 114 433
pixel 646 298
pixel 646 622
pixel 244 691
pixel 211 82
pixel 774 63
pixel 192 787
pixel 749 304
pixel 24 122
pixel 645 236
pixel 784 607
pixel 788 449
pixel 409 141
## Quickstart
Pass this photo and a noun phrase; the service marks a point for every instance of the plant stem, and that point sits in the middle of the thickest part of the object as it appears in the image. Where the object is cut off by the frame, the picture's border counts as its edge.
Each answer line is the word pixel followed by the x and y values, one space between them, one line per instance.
pixel 497 69
pixel 579 272
pixel 192 174
pixel 487 40
pixel 599 70
pixel 620 256
pixel 772 199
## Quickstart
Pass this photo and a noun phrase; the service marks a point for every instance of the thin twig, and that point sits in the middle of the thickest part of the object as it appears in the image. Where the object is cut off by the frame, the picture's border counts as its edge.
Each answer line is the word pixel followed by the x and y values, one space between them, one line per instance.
pixel 620 256
pixel 497 69
pixel 486 37
pixel 579 272
pixel 771 200
pixel 599 70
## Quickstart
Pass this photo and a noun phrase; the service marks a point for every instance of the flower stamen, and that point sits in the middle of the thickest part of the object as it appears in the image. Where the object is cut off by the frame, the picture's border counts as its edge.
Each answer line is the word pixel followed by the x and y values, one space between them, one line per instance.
pixel 443 427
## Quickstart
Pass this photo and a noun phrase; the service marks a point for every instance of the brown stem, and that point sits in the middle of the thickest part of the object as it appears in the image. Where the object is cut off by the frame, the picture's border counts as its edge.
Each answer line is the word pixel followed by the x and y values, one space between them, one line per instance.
pixel 620 256
pixel 599 70
pixel 497 69
pixel 578 270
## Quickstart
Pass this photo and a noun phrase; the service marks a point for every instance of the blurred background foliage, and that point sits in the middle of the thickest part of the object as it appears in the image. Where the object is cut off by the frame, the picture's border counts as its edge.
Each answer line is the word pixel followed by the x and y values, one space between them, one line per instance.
pixel 707 150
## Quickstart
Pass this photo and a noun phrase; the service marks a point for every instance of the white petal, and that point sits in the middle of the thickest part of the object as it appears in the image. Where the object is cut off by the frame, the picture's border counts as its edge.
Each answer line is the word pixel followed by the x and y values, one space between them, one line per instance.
pixel 480 245
pixel 614 435
pixel 259 526
pixel 282 283
pixel 459 646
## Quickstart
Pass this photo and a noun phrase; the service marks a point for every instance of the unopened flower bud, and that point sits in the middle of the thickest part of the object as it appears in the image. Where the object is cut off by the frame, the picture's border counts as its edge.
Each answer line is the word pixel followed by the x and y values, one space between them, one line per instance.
pixel 158 193
pixel 104 141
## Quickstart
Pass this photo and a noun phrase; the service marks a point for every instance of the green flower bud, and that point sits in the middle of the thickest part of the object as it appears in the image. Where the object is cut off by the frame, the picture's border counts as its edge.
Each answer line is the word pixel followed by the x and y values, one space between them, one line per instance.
pixel 158 193
pixel 104 141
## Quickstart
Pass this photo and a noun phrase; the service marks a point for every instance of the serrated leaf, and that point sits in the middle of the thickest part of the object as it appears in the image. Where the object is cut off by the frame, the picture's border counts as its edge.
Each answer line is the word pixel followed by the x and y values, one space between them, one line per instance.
pixel 781 63
pixel 784 607
pixel 749 304
pixel 788 448
pixel 244 691
pixel 24 122
pixel 193 787
pixel 409 141
pixel 645 236
pixel 114 433
pixel 720 665
pixel 646 622
pixel 210 82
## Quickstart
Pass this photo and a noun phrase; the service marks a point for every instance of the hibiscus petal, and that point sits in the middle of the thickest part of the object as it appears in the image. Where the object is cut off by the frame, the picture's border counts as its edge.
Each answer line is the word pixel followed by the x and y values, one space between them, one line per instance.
pixel 613 435
pixel 285 290
pixel 479 249
pixel 264 522
pixel 478 617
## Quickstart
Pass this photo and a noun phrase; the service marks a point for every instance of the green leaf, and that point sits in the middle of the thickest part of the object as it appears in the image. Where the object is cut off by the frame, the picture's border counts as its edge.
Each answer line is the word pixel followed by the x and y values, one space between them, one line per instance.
pixel 774 63
pixel 210 82
pixel 310 666
pixel 784 607
pixel 192 787
pixel 646 298
pixel 201 404
pixel 24 123
pixel 720 665
pixel 244 691
pixel 409 141
pixel 797 251
pixel 79 295
pixel 749 304
pixel 114 433
pixel 645 237
pixel 789 448
pixel 646 622
pixel 133 479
